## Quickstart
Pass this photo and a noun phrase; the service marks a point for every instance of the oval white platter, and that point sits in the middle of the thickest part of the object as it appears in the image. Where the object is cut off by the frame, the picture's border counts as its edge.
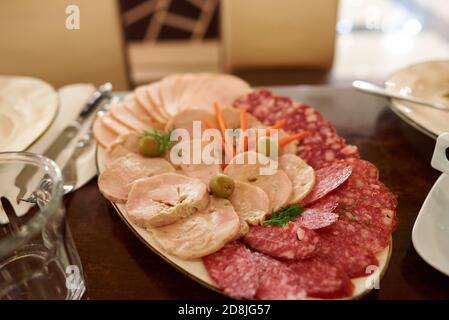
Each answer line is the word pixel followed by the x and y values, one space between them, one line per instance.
pixel 426 80
pixel 28 107
pixel 195 268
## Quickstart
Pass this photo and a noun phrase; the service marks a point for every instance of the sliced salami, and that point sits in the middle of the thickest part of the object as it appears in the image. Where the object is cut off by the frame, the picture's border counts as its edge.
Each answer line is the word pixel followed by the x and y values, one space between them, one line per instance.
pixel 338 250
pixel 321 279
pixel 328 179
pixel 290 242
pixel 314 219
pixel 234 270
pixel 276 280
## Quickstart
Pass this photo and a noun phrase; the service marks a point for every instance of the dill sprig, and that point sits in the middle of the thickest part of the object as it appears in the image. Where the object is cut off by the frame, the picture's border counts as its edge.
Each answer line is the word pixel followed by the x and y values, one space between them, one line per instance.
pixel 163 138
pixel 282 216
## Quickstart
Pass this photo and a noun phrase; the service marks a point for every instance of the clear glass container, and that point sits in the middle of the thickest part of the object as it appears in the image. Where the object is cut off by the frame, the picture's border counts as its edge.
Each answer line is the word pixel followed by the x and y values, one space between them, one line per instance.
pixel 38 258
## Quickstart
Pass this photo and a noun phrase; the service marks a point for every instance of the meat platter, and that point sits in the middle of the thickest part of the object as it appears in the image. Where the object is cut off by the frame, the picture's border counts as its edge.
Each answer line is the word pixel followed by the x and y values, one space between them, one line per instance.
pixel 279 207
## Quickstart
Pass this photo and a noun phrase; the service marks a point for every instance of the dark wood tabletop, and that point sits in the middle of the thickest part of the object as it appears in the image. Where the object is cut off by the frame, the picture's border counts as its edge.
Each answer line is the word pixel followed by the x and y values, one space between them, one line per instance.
pixel 118 266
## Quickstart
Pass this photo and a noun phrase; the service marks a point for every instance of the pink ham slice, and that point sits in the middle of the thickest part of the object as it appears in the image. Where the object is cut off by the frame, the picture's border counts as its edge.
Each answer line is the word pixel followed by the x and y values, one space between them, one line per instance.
pixel 116 180
pixel 328 179
pixel 114 125
pixel 234 270
pixel 250 202
pixel 102 134
pixel 200 234
pixel 122 114
pixel 144 100
pixel 290 242
pixel 167 94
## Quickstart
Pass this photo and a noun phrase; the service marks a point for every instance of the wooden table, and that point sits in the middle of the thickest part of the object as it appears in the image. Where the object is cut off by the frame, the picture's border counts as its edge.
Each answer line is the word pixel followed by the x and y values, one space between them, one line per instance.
pixel 118 266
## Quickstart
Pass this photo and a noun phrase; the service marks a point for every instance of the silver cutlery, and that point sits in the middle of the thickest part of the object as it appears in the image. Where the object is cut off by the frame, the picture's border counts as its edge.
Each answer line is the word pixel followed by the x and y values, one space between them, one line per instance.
pixel 66 135
pixel 374 89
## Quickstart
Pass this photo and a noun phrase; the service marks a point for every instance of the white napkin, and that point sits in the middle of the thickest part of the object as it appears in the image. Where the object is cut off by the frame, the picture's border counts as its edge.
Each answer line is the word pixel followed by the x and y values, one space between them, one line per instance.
pixel 72 100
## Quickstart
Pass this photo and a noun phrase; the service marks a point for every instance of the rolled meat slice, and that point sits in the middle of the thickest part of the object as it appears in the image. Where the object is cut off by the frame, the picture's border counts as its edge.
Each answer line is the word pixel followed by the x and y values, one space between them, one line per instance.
pixel 201 233
pixel 164 199
pixel 116 180
pixel 256 169
pixel 250 202
pixel 103 135
pixel 301 175
pixel 123 145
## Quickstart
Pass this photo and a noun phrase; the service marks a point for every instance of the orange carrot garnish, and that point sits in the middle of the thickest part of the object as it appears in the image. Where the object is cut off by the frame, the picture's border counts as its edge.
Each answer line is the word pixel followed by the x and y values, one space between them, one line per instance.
pixel 287 139
pixel 280 124
pixel 222 126
pixel 208 124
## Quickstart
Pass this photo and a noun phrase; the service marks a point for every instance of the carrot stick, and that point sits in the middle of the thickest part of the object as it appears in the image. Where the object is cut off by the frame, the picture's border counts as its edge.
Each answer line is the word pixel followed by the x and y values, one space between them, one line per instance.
pixel 222 126
pixel 208 124
pixel 287 139
pixel 244 127
pixel 280 124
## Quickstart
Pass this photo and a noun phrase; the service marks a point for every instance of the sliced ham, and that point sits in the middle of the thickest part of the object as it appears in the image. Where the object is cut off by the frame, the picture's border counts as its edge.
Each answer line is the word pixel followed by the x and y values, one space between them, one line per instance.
pixel 184 120
pixel 116 180
pixel 167 94
pixel 123 145
pixel 200 234
pixel 300 174
pixel 114 125
pixel 144 100
pixel 211 88
pixel 102 134
pixel 153 91
pixel 250 202
pixel 253 168
pixel 164 199
pixel 122 114
pixel 140 112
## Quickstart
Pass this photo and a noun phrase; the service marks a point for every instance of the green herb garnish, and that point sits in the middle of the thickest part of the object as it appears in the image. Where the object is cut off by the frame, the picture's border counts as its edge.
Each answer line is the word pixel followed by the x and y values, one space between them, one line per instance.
pixel 282 216
pixel 163 138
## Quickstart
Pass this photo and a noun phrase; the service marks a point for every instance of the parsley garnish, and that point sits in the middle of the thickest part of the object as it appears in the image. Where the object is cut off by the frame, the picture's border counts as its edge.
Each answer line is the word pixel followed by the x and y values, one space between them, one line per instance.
pixel 163 138
pixel 282 216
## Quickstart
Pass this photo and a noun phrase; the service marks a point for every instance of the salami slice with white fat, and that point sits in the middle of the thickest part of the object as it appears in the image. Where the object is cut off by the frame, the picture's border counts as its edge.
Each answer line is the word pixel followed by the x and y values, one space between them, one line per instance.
pixel 328 179
pixel 234 270
pixel 276 280
pixel 290 242
pixel 321 279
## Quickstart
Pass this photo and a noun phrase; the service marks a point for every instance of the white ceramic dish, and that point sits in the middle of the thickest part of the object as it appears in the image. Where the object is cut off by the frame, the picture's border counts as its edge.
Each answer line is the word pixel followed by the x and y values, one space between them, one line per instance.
pixel 28 106
pixel 430 234
pixel 427 80
pixel 196 270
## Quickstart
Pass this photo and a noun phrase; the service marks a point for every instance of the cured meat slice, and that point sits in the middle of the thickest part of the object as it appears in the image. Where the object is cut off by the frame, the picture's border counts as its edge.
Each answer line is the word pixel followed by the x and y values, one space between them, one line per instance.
pixel 317 218
pixel 328 179
pixel 168 98
pixel 201 233
pixel 276 280
pixel 339 251
pixel 321 147
pixel 250 202
pixel 321 279
pixel 116 180
pixel 124 144
pixel 249 167
pixel 234 270
pixel 164 199
pixel 102 134
pixel 210 88
pixel 139 111
pixel 184 120
pixel 154 95
pixel 114 125
pixel 301 175
pixel 232 118
pixel 143 98
pixel 122 114
pixel 290 242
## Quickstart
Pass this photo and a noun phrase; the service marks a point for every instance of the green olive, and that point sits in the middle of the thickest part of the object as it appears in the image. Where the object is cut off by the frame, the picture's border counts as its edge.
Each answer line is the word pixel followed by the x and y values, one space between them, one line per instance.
pixel 221 185
pixel 268 147
pixel 149 147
